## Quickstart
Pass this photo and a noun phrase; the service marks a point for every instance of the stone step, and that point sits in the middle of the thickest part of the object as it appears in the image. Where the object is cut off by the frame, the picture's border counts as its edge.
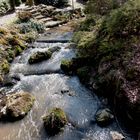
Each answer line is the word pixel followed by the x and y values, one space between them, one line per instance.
pixel 29 8
pixel 53 41
pixel 52 24
pixel 36 14
pixel 58 36
pixel 39 17
pixel 45 19
pixel 33 11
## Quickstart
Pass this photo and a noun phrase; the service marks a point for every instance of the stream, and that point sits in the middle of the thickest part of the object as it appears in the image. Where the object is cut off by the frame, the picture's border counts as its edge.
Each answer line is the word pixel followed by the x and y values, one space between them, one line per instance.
pixel 48 84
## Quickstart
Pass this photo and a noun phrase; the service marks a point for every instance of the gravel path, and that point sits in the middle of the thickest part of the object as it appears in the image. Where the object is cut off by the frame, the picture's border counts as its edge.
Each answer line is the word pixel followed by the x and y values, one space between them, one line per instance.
pixel 10 18
pixel 7 19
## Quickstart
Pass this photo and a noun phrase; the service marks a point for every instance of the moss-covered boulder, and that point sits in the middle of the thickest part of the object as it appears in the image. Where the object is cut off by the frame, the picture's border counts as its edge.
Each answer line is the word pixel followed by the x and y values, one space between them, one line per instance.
pixel 84 74
pixel 71 66
pixel 16 106
pixel 39 57
pixel 55 121
pixel 104 117
pixel 67 66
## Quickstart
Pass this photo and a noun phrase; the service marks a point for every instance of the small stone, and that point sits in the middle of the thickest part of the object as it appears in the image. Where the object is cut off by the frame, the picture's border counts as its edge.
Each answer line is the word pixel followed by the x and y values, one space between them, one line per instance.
pixel 71 94
pixel 64 91
pixel 116 135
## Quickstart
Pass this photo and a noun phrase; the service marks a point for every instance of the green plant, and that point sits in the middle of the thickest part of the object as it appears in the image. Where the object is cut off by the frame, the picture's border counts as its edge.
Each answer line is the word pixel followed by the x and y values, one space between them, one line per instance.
pixel 4 7
pixel 31 26
pixel 88 24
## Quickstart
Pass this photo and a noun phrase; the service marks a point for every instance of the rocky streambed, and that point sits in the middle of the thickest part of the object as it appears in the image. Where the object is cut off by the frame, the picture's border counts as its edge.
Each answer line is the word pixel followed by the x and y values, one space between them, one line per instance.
pixel 53 89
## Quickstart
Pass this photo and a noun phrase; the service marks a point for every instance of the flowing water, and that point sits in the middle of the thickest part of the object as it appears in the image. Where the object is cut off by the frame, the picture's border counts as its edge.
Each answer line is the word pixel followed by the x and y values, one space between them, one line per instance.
pixel 46 82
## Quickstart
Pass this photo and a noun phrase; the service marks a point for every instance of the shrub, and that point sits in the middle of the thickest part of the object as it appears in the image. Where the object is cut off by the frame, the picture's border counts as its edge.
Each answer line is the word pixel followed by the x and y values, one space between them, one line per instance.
pixel 4 7
pixel 87 24
pixel 102 7
pixel 31 26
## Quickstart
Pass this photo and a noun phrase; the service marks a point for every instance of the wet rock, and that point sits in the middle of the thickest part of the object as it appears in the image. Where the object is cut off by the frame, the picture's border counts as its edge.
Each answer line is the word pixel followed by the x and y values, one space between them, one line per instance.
pixel 39 57
pixel 64 91
pixel 104 117
pixel 116 135
pixel 84 74
pixel 55 121
pixel 67 66
pixel 9 81
pixel 54 49
pixel 16 106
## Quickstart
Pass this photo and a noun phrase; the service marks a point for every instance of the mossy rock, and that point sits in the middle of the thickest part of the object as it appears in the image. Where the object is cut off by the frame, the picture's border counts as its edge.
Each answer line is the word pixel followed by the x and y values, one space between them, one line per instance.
pixel 66 66
pixel 84 74
pixel 104 117
pixel 54 49
pixel 55 121
pixel 39 57
pixel 16 105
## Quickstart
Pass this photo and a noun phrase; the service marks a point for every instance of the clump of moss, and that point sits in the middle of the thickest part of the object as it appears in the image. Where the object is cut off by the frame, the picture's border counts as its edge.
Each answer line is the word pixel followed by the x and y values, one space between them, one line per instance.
pixel 5 66
pixel 55 121
pixel 30 37
pixel 10 54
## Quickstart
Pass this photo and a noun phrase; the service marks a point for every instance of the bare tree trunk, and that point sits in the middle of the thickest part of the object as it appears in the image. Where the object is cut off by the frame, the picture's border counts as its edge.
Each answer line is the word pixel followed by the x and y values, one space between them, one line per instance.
pixel 12 4
pixel 30 2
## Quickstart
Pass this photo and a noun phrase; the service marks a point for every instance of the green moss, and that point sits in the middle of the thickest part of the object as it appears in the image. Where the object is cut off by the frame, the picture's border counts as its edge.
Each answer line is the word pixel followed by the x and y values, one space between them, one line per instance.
pixel 10 54
pixel 55 120
pixel 30 37
pixel 5 66
pixel 15 40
